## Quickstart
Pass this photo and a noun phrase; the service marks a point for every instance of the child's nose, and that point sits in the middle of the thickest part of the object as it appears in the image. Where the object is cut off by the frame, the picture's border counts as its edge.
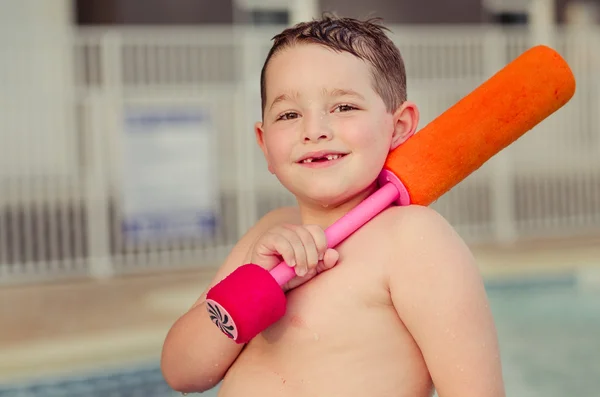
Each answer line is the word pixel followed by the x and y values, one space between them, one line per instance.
pixel 317 128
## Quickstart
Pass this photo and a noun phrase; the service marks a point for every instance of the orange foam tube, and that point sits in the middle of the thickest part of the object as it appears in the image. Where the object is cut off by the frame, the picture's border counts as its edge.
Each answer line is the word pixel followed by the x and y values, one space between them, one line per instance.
pixel 494 115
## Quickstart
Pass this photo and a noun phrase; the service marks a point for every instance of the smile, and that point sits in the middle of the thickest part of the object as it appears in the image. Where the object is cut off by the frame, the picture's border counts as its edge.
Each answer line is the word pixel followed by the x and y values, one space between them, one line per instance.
pixel 322 161
pixel 329 157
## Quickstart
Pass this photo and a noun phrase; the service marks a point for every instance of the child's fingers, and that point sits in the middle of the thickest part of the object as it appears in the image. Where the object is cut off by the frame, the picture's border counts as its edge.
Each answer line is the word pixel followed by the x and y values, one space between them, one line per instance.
pixel 330 258
pixel 300 261
pixel 309 251
pixel 276 244
pixel 318 235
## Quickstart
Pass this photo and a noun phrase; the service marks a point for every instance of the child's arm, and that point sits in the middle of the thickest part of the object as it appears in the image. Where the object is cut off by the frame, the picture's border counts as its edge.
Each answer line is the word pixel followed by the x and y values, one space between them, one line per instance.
pixel 196 355
pixel 440 297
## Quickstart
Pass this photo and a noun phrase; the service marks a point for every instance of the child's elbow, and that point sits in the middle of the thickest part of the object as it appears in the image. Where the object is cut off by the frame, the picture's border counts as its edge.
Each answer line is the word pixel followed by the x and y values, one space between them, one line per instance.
pixel 182 382
pixel 180 379
pixel 185 386
pixel 174 378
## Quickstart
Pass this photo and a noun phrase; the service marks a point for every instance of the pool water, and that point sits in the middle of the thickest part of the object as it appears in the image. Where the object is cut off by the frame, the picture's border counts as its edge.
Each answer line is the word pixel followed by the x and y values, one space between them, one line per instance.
pixel 142 381
pixel 550 341
pixel 549 337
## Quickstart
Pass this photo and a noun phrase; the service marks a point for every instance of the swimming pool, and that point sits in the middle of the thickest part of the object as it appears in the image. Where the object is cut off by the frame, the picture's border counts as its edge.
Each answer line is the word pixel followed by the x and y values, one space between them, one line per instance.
pixel 142 381
pixel 549 338
pixel 549 332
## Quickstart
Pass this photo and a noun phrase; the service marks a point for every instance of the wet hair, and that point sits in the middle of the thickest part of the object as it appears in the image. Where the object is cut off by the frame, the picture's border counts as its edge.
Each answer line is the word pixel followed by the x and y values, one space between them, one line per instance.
pixel 365 39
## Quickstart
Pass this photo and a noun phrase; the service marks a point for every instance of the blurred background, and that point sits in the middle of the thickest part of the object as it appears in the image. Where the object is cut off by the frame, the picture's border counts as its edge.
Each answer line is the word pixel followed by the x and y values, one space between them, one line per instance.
pixel 128 169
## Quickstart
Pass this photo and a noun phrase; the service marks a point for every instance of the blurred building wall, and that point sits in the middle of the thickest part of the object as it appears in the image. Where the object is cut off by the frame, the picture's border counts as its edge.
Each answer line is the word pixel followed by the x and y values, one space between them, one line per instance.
pixel 154 12
pixel 410 12
pixel 94 12
pixel 185 12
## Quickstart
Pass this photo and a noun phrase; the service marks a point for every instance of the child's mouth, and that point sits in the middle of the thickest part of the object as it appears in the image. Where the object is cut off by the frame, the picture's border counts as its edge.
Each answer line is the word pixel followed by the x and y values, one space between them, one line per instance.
pixel 322 161
pixel 330 157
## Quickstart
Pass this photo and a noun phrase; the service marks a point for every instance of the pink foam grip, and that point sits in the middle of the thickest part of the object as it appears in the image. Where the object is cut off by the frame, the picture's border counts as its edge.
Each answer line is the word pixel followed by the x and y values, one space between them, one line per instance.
pixel 386 177
pixel 246 302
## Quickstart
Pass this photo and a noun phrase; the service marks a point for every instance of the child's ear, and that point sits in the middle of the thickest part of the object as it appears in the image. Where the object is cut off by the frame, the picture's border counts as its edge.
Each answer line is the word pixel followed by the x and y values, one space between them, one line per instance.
pixel 260 139
pixel 406 120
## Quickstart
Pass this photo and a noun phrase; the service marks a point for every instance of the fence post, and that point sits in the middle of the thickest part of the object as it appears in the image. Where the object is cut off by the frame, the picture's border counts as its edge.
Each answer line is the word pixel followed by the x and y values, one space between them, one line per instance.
pixel 102 126
pixel 542 16
pixel 247 205
pixel 502 164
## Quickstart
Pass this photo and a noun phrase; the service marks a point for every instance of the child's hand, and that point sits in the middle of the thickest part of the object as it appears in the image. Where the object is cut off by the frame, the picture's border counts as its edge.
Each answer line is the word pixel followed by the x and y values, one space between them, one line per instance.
pixel 303 247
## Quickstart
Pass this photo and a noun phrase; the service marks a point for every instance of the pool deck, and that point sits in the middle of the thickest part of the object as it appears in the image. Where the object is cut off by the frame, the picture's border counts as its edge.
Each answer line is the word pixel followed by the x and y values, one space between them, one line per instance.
pixel 54 328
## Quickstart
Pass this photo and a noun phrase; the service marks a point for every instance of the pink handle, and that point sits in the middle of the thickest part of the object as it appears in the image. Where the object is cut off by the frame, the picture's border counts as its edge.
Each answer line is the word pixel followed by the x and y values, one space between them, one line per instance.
pixel 347 224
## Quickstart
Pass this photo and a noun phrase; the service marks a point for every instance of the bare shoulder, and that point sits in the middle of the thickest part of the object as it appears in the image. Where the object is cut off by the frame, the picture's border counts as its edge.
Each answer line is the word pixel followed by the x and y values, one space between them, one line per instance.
pixel 439 295
pixel 410 228
pixel 271 219
pixel 417 215
pixel 427 249
pixel 280 215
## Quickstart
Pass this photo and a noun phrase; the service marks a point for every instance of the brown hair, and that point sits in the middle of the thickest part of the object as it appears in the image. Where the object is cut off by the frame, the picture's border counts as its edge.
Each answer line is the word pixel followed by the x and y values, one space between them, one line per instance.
pixel 364 39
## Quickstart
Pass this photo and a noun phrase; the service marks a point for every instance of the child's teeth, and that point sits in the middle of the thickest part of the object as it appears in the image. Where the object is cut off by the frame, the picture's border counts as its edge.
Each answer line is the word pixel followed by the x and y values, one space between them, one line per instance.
pixel 328 157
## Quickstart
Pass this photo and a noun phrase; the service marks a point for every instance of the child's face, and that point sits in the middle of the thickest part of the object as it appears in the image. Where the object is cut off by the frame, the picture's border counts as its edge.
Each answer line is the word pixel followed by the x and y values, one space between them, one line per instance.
pixel 318 100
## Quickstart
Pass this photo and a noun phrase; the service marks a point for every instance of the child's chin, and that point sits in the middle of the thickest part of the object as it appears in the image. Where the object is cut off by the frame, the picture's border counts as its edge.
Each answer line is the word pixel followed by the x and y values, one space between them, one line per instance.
pixel 326 194
pixel 325 199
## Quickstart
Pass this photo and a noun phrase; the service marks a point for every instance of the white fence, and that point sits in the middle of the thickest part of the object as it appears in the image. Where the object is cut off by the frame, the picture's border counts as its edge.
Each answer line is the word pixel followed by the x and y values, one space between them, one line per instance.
pixel 62 149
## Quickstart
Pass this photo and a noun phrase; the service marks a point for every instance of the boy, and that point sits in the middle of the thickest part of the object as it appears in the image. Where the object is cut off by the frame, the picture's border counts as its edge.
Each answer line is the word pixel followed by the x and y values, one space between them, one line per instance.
pixel 396 308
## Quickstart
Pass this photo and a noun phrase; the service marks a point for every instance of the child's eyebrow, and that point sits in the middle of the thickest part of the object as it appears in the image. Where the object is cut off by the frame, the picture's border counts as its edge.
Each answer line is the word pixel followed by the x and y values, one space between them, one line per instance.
pixel 343 92
pixel 280 98
pixel 336 92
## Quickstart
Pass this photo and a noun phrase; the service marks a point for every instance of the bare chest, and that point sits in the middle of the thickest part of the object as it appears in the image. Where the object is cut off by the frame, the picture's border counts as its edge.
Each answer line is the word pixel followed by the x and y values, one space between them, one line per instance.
pixel 334 302
pixel 339 336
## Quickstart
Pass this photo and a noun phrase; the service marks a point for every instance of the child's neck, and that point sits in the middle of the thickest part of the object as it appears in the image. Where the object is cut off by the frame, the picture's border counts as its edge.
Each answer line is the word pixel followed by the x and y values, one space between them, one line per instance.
pixel 325 215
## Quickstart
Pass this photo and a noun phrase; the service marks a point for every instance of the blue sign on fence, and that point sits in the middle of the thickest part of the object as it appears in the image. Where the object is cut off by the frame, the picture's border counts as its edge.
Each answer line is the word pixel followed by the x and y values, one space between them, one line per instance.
pixel 169 181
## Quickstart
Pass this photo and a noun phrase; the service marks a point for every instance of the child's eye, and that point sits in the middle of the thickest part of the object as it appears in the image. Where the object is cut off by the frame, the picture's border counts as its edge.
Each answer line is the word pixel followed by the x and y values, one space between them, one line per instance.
pixel 345 108
pixel 288 116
